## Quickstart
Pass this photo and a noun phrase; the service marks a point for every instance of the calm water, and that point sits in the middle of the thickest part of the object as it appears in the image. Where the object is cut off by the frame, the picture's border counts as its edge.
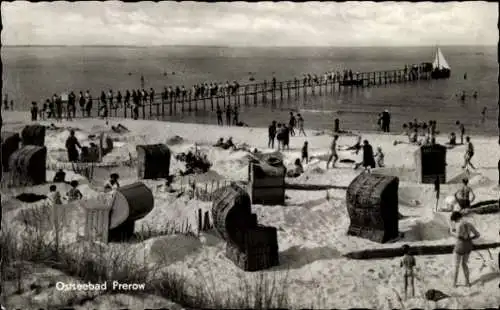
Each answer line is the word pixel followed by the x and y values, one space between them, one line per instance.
pixel 35 73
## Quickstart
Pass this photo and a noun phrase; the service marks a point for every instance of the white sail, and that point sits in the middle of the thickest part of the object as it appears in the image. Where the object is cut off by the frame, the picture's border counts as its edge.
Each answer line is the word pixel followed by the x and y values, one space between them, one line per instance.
pixel 439 61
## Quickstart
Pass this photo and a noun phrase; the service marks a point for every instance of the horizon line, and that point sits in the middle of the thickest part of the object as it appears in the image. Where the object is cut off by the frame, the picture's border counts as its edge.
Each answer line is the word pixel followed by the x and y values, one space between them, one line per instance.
pixel 229 46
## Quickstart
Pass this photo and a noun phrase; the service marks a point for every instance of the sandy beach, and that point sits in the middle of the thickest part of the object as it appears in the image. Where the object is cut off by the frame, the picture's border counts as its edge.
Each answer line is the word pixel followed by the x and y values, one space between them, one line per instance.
pixel 311 226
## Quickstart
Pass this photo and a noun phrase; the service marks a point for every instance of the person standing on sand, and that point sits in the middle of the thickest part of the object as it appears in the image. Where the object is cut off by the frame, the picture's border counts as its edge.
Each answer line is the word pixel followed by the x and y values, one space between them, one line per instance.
pixel 219 115
pixel 81 103
pixel 386 121
pixel 461 129
pixel 483 115
pixel 286 137
pixel 119 98
pixel 228 115
pixel 305 153
pixel 300 124
pixel 437 190
pixel 71 147
pixel 6 102
pixel 235 116
pixel 291 124
pixel 279 136
pixel 368 159
pixel 408 263
pixel 272 135
pixel 464 232
pixel 465 196
pixel 59 108
pixel 469 153
pixel 333 152
pixel 34 111
pixel 380 157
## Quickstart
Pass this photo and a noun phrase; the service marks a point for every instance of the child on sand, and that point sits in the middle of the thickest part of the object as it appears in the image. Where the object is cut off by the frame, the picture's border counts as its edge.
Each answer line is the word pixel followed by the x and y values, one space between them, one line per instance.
pixel 408 264
pixel 305 153
pixel 380 157
pixel 54 196
pixel 74 193
pixel 112 183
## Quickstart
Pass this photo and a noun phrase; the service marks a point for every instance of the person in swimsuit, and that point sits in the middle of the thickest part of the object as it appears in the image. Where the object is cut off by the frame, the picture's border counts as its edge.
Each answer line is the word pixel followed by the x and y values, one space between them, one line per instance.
pixel 71 147
pixel 333 152
pixel 469 153
pixel 465 195
pixel 408 263
pixel 464 232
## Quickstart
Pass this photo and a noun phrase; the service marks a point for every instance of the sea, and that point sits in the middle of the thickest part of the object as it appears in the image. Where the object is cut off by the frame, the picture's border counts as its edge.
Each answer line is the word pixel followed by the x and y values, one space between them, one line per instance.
pixel 36 73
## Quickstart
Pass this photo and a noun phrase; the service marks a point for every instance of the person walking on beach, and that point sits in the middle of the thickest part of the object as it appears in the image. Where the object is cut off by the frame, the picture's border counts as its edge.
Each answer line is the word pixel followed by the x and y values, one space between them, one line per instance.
pixel 461 129
pixel 272 134
pixel 333 153
pixel 464 232
pixel 469 153
pixel 408 263
pixel 437 190
pixel 219 115
pixel 291 124
pixel 228 115
pixel 300 124
pixel 368 158
pixel 305 153
pixel 465 196
pixel 71 147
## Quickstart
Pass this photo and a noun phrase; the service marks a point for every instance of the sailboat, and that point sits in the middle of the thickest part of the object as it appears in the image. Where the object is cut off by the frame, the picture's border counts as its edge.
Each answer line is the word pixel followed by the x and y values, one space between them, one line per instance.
pixel 440 67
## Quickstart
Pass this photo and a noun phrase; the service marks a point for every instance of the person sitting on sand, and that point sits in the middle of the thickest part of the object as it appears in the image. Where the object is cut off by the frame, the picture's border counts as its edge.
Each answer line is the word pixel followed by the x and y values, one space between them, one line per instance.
pixel 356 147
pixel 333 152
pixel 59 177
pixel 71 147
pixel 368 159
pixel 219 142
pixel 112 183
pixel 453 139
pixel 297 170
pixel 380 157
pixel 54 196
pixel 74 193
pixel 464 232
pixel 413 137
pixel 465 196
pixel 305 152
pixel 408 264
pixel 228 144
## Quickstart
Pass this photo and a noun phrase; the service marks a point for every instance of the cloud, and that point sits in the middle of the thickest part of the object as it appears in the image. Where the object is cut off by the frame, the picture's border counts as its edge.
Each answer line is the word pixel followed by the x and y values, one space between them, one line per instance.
pixel 253 24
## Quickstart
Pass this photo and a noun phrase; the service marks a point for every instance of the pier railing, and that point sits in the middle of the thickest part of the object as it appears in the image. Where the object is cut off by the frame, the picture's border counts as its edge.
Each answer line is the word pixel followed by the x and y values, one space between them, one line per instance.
pixel 252 94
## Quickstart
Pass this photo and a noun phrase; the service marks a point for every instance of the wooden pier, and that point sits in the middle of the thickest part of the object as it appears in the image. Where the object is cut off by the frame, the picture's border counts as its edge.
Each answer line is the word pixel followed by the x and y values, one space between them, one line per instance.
pixel 267 93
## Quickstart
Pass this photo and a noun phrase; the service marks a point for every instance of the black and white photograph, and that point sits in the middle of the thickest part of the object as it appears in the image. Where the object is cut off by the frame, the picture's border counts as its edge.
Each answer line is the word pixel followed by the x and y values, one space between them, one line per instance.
pixel 250 155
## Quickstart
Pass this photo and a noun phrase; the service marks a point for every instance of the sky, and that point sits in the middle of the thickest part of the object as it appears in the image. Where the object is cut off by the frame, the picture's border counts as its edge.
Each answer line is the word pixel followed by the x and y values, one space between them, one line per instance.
pixel 250 24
